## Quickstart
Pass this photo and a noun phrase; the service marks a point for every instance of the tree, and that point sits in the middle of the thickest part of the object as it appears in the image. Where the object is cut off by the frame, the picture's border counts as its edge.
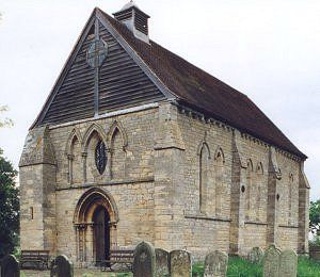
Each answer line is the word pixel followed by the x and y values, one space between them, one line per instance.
pixel 314 216
pixel 9 207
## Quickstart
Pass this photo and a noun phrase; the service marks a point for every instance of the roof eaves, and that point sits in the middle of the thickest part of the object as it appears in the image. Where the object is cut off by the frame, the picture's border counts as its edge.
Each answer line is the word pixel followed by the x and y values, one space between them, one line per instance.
pixel 293 150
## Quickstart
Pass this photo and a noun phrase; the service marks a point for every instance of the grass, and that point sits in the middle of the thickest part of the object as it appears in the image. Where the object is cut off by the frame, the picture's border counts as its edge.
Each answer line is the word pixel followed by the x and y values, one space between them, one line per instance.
pixel 308 268
pixel 239 267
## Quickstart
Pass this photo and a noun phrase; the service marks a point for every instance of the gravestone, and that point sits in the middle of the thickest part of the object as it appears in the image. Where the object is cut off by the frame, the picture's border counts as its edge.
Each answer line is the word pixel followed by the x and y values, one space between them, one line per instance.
pixel 288 264
pixel 215 264
pixel 144 260
pixel 61 267
pixel 10 267
pixel 255 256
pixel 271 262
pixel 162 263
pixel 180 263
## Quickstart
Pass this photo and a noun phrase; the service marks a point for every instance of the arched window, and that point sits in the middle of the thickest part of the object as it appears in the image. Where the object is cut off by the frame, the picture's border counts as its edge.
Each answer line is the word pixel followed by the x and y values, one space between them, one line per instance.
pixel 118 142
pixel 118 157
pixel 73 154
pixel 219 186
pixel 257 187
pixel 100 156
pixel 204 176
pixel 249 189
pixel 95 154
pixel 290 198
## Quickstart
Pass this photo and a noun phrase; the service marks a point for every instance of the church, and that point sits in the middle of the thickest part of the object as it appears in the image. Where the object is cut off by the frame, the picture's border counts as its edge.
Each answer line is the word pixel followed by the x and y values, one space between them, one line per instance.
pixel 134 143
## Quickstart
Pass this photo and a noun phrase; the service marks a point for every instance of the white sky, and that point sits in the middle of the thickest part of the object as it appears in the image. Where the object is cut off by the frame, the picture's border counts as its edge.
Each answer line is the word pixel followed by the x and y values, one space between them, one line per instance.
pixel 269 50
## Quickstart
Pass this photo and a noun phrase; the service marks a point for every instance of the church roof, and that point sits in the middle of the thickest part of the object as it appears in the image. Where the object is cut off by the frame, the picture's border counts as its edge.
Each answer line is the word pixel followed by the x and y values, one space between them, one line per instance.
pixel 190 86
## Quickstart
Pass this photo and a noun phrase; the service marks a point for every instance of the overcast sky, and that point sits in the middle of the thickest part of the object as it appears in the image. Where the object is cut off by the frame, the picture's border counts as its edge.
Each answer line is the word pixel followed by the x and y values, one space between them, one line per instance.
pixel 269 50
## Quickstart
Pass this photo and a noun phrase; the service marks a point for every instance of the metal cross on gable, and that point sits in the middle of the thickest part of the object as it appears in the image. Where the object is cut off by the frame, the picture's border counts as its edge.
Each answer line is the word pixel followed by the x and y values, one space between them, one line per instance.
pixel 96 55
pixel 98 49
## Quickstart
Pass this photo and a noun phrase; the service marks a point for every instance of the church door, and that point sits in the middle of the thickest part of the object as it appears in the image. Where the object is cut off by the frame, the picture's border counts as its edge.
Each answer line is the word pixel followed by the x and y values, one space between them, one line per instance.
pixel 101 220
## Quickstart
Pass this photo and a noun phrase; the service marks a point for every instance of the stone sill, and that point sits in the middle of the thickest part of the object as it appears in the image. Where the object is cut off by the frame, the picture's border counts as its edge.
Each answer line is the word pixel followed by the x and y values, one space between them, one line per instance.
pixel 108 183
pixel 289 226
pixel 205 217
pixel 255 223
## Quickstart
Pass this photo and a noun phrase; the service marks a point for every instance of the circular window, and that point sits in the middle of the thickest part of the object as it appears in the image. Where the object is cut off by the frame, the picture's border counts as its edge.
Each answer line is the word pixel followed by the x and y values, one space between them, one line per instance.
pixel 100 156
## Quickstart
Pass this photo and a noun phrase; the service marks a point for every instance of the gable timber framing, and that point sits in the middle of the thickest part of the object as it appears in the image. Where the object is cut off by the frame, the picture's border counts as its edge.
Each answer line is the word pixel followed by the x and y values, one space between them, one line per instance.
pixel 93 98
pixel 139 61
pixel 64 71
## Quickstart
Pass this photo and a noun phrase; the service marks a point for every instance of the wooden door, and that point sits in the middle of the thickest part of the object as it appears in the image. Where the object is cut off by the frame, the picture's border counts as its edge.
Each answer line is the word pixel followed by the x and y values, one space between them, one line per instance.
pixel 101 234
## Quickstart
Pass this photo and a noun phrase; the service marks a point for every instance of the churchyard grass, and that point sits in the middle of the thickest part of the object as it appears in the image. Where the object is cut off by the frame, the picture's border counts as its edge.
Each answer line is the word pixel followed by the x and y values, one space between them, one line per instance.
pixel 197 269
pixel 308 268
pixel 239 267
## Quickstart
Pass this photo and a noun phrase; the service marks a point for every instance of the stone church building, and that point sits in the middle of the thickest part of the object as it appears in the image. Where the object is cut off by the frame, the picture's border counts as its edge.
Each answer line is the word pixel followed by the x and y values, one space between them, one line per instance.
pixel 135 143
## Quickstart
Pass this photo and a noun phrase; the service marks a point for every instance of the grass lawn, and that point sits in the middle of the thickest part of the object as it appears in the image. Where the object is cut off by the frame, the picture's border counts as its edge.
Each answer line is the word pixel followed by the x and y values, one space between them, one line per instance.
pixel 239 267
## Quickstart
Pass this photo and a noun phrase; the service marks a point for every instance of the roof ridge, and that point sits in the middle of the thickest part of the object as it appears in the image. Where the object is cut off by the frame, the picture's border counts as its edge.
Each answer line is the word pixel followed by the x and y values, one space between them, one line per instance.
pixel 200 89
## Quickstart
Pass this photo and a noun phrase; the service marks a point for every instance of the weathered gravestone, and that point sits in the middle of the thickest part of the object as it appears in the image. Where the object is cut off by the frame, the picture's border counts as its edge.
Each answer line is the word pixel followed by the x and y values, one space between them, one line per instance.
pixel 144 260
pixel 61 267
pixel 180 263
pixel 271 262
pixel 10 267
pixel 162 263
pixel 288 264
pixel 255 256
pixel 215 264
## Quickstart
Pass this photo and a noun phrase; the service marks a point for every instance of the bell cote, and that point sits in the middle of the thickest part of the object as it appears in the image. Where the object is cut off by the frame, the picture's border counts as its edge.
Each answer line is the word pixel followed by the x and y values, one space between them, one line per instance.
pixel 135 19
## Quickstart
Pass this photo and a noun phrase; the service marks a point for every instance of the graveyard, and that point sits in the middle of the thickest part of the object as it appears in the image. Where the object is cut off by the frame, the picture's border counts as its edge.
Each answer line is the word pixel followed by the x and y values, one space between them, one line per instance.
pixel 156 262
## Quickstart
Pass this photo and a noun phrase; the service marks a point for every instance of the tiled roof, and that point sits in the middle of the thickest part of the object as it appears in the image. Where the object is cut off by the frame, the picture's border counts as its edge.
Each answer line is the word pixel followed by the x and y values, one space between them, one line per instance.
pixel 199 90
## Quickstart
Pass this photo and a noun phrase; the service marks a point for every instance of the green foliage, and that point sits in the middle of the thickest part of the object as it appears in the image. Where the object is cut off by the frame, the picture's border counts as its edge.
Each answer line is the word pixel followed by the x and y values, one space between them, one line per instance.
pixel 241 267
pixel 197 269
pixel 9 207
pixel 314 216
pixel 308 267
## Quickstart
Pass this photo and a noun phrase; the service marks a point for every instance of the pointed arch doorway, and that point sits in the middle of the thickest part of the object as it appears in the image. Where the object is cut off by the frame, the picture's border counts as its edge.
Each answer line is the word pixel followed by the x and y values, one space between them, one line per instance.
pixel 95 222
pixel 101 234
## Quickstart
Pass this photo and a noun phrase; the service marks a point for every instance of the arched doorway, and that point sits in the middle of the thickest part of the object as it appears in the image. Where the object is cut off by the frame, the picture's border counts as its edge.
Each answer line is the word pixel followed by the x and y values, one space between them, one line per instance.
pixel 95 222
pixel 101 234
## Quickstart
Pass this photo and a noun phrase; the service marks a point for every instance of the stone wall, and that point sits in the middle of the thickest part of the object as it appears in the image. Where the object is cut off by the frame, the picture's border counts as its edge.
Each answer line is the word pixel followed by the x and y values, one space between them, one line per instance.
pixel 172 177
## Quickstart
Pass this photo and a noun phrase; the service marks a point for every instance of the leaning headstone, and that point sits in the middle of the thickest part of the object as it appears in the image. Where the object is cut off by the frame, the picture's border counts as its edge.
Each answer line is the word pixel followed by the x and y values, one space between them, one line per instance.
pixel 288 264
pixel 10 267
pixel 271 262
pixel 61 267
pixel 215 264
pixel 180 263
pixel 255 256
pixel 144 257
pixel 162 263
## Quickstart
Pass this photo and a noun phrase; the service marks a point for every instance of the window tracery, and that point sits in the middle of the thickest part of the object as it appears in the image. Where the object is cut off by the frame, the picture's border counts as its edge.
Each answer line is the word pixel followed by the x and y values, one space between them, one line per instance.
pixel 100 156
